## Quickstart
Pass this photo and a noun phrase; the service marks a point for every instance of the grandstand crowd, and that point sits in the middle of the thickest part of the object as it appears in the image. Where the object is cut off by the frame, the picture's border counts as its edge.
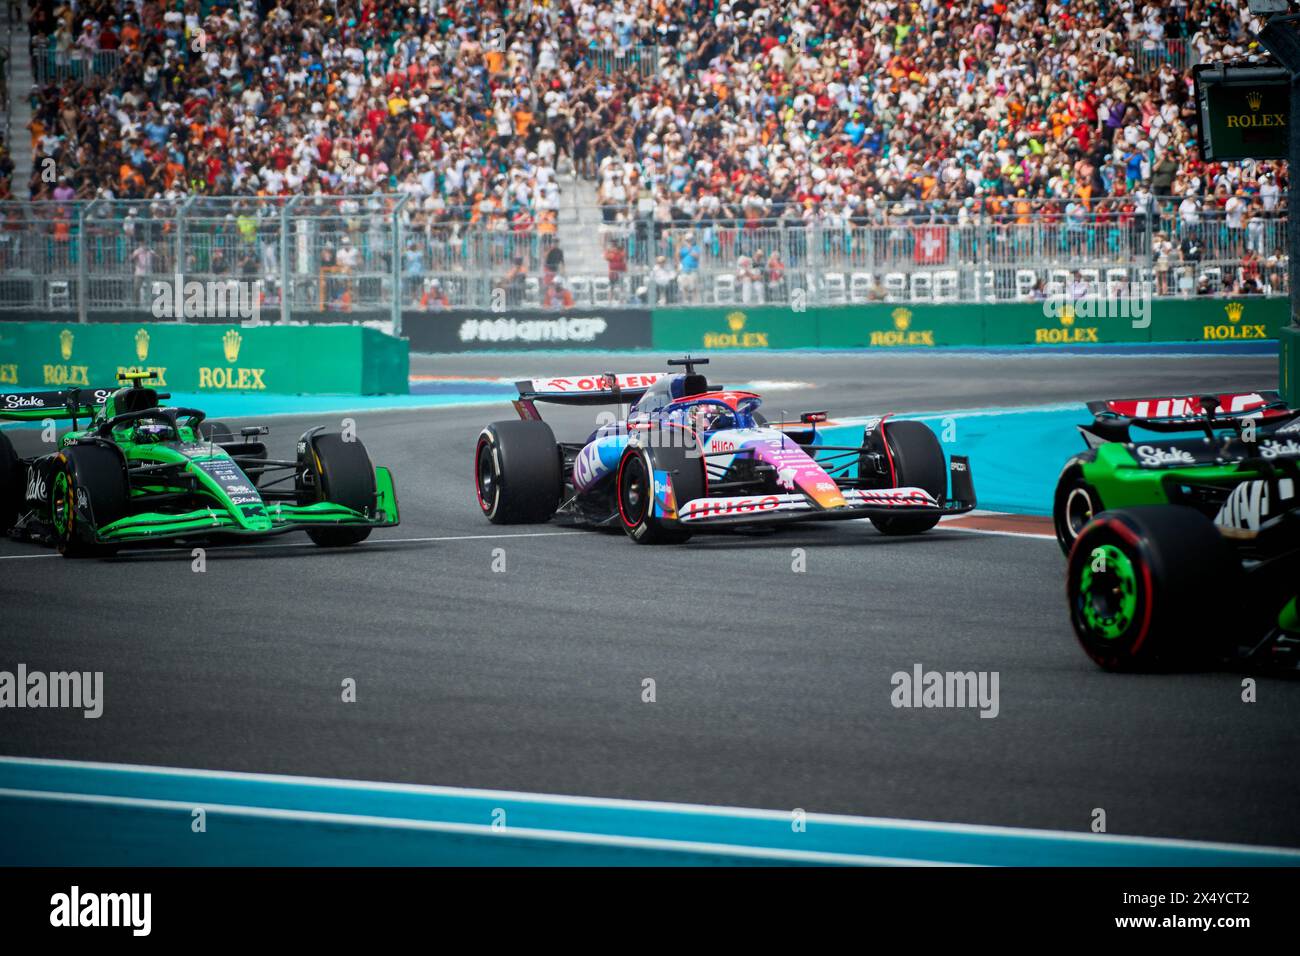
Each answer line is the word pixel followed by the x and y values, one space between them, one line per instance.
pixel 682 112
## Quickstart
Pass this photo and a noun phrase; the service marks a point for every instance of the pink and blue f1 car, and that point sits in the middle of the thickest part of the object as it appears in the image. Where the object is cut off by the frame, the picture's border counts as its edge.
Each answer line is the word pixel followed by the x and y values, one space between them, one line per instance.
pixel 687 458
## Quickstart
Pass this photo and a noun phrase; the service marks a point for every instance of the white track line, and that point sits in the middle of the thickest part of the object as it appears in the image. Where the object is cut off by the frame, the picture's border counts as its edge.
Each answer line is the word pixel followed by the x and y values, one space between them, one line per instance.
pixel 653 805
pixel 230 546
pixel 486 831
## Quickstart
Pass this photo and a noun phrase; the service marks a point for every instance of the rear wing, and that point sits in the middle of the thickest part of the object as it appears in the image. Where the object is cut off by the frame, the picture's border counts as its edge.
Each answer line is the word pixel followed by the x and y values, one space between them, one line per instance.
pixel 605 388
pixel 1113 418
pixel 71 403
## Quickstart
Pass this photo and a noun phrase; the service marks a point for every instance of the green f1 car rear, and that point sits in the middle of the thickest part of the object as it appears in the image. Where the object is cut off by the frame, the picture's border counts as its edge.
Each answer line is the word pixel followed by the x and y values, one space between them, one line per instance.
pixel 1185 551
pixel 143 473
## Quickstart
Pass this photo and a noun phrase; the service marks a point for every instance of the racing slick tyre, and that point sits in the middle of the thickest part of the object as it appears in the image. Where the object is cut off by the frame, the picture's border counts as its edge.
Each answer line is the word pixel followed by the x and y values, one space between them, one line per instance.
pixel 94 475
pixel 1075 503
pixel 635 491
pixel 1145 587
pixel 517 472
pixel 344 476
pixel 11 488
pixel 918 462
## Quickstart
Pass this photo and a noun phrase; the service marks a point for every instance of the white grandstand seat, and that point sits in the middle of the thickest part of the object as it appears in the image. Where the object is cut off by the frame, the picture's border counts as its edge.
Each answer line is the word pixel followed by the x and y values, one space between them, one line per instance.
pixel 1117 282
pixel 532 292
pixel 1058 281
pixel 920 287
pixel 1026 279
pixel 833 290
pixel 895 286
pixel 724 288
pixel 600 291
pixel 580 286
pixel 860 287
pixel 945 285
pixel 59 293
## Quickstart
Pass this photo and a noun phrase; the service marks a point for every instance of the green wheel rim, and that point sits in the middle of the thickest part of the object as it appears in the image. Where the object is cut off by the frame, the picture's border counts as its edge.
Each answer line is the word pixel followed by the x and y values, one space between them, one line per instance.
pixel 1108 592
pixel 61 502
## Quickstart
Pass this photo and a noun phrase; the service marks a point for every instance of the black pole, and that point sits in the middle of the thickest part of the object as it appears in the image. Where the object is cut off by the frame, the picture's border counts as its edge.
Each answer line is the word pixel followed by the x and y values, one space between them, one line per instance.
pixel 1293 201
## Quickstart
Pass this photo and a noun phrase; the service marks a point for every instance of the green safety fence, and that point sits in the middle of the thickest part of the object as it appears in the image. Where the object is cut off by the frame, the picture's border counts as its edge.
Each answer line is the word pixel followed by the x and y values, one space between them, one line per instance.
pixel 1046 324
pixel 293 360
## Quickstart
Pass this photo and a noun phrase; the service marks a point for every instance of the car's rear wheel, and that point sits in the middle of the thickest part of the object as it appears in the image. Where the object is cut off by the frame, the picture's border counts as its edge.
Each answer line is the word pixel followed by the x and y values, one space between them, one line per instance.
pixel 918 462
pixel 1075 503
pixel 518 476
pixel 1145 587
pixel 11 484
pixel 87 479
pixel 343 475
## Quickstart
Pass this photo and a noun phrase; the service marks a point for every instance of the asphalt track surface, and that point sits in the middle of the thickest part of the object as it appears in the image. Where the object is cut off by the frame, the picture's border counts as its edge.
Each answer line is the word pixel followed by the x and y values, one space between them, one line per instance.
pixel 772 687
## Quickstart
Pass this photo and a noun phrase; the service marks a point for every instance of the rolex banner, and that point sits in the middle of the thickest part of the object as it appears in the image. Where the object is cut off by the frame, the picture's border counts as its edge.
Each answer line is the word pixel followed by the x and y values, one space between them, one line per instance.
pixel 1244 111
pixel 336 360
pixel 1054 323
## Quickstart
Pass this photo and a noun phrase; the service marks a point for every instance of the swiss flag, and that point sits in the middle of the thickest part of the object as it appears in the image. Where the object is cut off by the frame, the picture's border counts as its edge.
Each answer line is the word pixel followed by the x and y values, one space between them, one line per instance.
pixel 931 247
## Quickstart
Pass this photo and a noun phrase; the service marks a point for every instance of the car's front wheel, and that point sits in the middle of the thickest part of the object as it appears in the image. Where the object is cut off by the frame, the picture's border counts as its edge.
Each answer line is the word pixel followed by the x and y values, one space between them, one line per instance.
pixel 89 491
pixel 635 490
pixel 341 473
pixel 918 462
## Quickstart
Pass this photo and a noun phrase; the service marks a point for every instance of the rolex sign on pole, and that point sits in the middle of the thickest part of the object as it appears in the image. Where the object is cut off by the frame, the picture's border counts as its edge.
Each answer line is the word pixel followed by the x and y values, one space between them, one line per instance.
pixel 1244 111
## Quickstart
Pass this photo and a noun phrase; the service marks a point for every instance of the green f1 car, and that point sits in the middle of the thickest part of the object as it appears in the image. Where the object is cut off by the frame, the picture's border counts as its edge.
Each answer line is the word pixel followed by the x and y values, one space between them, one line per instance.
pixel 1195 558
pixel 142 472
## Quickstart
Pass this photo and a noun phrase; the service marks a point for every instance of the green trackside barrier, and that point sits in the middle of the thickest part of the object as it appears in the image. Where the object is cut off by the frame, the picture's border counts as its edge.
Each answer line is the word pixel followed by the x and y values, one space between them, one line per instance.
pixel 1289 364
pixel 891 325
pixel 290 360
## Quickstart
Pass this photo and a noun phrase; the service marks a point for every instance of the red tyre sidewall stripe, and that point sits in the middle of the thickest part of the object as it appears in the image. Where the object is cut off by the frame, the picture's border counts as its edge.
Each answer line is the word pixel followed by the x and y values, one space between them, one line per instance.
pixel 618 491
pixel 889 456
pixel 478 492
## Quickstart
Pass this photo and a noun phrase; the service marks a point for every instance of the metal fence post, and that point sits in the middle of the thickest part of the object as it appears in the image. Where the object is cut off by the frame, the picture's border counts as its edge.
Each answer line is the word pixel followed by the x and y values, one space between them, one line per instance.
pixel 286 274
pixel 83 285
pixel 180 258
pixel 398 245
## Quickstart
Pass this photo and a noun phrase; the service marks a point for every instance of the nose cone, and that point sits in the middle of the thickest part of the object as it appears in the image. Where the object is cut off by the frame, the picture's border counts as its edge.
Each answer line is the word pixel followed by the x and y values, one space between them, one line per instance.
pixel 796 471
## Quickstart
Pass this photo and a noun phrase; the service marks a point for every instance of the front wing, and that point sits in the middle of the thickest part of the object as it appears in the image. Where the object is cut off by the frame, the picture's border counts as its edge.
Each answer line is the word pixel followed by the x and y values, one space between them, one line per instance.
pixel 754 509
pixel 283 517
